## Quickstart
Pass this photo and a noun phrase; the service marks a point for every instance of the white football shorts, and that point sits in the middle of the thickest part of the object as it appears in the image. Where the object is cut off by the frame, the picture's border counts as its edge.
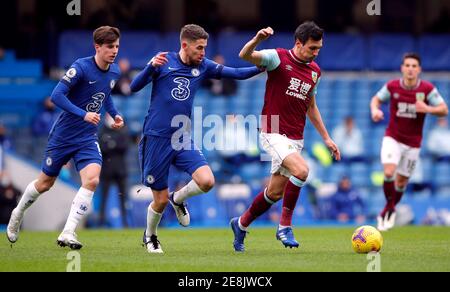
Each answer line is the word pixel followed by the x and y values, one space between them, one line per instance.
pixel 279 147
pixel 404 156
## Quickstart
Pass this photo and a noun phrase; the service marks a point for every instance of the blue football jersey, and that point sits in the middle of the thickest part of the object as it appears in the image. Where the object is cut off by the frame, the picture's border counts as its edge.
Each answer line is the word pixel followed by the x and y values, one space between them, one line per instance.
pixel 89 89
pixel 174 88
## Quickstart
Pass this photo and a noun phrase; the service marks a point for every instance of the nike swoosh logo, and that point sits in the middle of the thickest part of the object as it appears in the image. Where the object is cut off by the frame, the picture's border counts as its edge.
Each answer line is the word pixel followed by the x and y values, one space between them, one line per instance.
pixel 92 82
pixel 171 68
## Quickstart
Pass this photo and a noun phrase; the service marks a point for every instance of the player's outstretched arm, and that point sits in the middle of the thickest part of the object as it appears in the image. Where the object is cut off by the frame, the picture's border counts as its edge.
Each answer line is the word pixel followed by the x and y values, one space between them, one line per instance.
pixel 316 119
pixel 240 73
pixel 248 52
pixel 146 75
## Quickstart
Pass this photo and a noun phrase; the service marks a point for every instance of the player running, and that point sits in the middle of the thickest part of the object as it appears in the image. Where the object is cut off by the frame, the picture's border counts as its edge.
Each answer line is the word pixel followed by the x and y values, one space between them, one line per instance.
pixel 81 93
pixel 410 100
pixel 176 78
pixel 290 96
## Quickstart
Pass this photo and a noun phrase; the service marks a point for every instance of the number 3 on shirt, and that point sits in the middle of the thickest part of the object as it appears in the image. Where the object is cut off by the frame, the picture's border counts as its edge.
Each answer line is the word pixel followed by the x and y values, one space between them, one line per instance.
pixel 182 92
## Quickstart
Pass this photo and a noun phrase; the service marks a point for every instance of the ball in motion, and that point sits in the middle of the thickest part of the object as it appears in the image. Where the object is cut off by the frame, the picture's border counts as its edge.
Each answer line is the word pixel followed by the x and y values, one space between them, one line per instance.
pixel 366 239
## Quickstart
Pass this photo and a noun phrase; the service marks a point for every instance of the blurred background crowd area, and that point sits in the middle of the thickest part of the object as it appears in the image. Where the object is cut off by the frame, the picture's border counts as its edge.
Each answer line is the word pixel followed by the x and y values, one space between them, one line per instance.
pixel 360 53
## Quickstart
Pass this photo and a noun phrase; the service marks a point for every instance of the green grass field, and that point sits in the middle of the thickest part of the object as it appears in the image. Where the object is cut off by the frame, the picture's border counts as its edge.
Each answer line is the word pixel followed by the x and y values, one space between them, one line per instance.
pixel 201 250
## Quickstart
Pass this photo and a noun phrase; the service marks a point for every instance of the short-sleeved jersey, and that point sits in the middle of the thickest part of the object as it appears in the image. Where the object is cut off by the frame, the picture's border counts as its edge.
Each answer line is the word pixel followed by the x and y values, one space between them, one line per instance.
pixel 405 124
pixel 89 87
pixel 290 86
pixel 174 88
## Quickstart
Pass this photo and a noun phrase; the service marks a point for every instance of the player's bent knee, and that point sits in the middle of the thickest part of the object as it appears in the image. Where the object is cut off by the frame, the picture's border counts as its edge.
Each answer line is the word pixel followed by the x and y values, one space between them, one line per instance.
pixel 401 183
pixel 301 173
pixel 43 186
pixel 93 182
pixel 161 201
pixel 207 184
pixel 389 174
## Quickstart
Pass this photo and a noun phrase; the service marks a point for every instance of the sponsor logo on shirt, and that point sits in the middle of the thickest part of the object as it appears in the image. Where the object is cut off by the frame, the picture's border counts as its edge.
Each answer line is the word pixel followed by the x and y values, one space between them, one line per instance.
pixel 298 88
pixel 182 91
pixel 406 110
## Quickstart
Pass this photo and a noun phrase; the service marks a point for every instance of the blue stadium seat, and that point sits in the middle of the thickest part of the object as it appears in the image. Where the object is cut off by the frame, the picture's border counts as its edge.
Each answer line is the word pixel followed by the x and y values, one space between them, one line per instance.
pixel 171 42
pixel 10 56
pixel 140 47
pixel 229 45
pixel 20 69
pixel 343 52
pixel 281 40
pixel 386 50
pixel 435 52
pixel 335 172
pixel 360 174
pixel 74 45
pixel 441 174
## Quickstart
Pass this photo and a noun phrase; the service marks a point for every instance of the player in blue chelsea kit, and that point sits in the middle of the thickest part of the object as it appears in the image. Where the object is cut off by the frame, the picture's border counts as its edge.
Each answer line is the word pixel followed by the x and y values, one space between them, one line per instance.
pixel 176 78
pixel 81 93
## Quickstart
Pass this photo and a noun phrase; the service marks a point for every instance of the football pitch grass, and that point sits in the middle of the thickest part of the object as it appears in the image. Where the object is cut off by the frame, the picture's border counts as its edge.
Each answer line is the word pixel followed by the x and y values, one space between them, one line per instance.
pixel 210 250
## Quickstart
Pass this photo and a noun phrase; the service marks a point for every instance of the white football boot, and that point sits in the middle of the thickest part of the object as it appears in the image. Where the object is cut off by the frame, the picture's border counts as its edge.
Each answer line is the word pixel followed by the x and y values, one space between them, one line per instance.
pixel 380 223
pixel 67 238
pixel 12 231
pixel 181 211
pixel 152 244
pixel 389 220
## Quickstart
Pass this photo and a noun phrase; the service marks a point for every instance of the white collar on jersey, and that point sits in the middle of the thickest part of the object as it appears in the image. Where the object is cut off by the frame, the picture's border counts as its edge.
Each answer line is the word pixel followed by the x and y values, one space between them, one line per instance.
pixel 402 84
pixel 297 59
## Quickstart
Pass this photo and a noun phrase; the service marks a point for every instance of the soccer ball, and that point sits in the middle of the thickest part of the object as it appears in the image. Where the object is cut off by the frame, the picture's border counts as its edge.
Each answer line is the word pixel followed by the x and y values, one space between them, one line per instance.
pixel 366 239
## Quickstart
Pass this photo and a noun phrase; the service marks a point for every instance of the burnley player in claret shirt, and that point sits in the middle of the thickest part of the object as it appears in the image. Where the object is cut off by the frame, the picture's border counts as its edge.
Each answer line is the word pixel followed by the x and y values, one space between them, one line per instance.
pixel 290 95
pixel 410 100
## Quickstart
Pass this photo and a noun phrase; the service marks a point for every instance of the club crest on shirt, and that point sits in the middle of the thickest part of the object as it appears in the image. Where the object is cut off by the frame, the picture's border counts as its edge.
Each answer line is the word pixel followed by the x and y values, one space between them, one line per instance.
pixel 314 76
pixel 150 179
pixel 112 84
pixel 420 96
pixel 195 72
pixel 49 161
pixel 396 95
